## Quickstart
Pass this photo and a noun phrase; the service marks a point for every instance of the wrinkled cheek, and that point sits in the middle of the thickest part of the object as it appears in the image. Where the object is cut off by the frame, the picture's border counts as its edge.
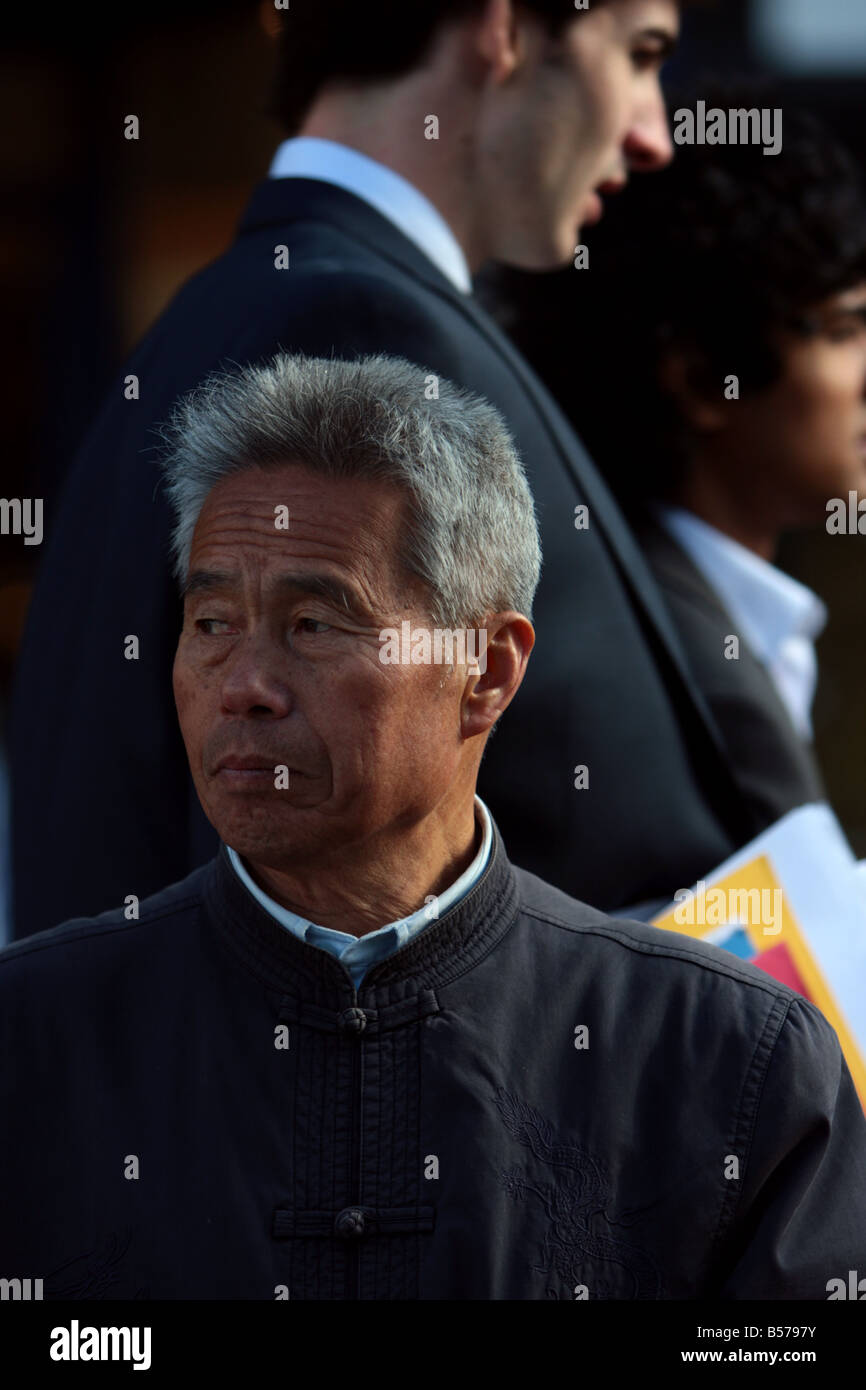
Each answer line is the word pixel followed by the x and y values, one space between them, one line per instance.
pixel 178 673
pixel 190 698
pixel 181 687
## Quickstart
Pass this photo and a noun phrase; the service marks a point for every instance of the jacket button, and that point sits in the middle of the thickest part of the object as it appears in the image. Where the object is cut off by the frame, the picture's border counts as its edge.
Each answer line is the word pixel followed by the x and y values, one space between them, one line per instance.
pixel 350 1223
pixel 352 1021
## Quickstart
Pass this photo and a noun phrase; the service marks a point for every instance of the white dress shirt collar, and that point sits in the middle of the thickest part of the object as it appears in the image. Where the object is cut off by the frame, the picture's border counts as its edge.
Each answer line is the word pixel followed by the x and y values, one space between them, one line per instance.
pixel 358 953
pixel 309 157
pixel 778 617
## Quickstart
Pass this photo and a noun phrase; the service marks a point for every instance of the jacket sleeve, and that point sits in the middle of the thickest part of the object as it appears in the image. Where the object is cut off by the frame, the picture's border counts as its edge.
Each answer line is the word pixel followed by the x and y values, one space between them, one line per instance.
pixel 801 1219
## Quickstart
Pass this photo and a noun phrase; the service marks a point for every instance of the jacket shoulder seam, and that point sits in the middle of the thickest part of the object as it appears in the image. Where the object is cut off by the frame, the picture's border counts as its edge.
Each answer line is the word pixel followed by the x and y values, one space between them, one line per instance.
pixel 95 929
pixel 676 951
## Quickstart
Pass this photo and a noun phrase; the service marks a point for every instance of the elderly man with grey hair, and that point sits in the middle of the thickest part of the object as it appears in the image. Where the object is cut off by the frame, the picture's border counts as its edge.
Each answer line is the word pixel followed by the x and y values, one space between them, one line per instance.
pixel 360 1055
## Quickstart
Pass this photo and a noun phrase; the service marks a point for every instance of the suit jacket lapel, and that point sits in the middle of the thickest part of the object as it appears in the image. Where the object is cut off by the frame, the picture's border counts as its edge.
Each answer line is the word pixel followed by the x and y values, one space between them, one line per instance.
pixel 676 569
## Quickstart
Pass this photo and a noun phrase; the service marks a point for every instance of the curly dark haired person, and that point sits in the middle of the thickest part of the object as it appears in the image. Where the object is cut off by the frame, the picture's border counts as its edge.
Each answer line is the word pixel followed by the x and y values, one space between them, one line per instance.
pixel 725 302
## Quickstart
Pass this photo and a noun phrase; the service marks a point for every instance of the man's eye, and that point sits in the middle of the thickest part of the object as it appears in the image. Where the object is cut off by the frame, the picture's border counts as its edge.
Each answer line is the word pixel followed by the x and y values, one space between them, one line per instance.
pixel 644 58
pixel 849 327
pixel 205 624
pixel 309 624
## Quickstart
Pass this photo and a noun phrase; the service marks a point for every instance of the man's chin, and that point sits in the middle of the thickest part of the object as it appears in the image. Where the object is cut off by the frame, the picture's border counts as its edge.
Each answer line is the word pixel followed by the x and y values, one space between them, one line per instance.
pixel 263 832
pixel 555 254
pixel 285 852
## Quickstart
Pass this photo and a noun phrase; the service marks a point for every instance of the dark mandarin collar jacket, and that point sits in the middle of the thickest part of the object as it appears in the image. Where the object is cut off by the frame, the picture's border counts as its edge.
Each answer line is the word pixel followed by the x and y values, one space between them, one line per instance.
pixel 529 1100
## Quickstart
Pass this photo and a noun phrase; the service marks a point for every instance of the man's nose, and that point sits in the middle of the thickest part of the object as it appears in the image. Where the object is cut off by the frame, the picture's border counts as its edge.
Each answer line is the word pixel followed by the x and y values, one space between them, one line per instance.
pixel 256 681
pixel 648 144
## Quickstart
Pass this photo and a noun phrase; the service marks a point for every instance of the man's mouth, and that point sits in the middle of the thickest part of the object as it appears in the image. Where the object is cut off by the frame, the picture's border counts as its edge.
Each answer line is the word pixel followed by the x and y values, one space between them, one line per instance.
pixel 250 770
pixel 236 762
pixel 593 209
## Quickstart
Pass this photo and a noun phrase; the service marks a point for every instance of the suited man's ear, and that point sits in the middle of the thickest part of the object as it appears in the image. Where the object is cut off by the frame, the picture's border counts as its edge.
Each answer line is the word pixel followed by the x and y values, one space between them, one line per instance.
pixel 685 378
pixel 498 38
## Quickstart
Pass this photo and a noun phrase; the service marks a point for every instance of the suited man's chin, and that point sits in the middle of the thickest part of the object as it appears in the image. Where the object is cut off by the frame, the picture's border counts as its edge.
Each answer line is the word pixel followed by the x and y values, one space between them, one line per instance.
pixel 552 252
pixel 562 248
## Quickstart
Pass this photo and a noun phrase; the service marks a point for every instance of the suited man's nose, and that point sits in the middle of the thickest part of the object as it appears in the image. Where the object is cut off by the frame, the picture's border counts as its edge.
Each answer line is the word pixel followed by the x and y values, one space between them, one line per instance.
pixel 648 145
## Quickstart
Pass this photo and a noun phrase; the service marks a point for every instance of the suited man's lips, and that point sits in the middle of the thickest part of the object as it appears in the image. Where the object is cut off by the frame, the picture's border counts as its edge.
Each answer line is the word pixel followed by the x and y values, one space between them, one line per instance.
pixel 593 209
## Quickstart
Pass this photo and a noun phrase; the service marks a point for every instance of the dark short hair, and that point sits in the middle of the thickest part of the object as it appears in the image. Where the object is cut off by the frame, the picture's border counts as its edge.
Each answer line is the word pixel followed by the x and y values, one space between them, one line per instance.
pixel 717 256
pixel 331 40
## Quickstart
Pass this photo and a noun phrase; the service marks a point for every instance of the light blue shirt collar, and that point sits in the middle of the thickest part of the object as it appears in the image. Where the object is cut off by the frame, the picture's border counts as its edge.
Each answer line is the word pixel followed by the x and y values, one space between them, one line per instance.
pixel 358 954
pixel 405 206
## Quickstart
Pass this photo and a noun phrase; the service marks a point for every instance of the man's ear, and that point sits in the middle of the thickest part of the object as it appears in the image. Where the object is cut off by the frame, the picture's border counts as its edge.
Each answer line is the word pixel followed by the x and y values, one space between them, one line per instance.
pixel 498 40
pixel 490 688
pixel 683 376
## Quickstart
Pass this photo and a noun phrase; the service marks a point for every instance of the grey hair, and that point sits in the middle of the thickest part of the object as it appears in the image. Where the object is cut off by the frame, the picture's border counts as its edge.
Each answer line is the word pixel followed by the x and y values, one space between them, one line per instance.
pixel 472 535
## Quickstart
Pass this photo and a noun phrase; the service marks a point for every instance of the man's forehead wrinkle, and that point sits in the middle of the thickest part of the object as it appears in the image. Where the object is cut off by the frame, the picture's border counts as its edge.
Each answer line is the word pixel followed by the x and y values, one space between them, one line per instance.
pixel 349 533
pixel 272 545
pixel 350 529
pixel 280 549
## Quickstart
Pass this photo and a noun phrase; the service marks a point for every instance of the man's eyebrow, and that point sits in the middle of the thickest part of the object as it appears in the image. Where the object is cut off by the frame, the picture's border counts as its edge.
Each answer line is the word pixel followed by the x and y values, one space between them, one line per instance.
pixel 845 312
pixel 815 320
pixel 322 586
pixel 206 581
pixel 317 584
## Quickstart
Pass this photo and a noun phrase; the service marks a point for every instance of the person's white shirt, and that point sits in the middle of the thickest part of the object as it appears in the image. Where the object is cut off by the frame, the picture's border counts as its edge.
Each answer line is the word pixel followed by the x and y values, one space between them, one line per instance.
pixel 410 210
pixel 778 617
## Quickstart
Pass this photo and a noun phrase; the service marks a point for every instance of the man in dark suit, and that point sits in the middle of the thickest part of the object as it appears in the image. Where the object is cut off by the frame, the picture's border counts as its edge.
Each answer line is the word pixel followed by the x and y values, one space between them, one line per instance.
pixel 742 281
pixel 470 131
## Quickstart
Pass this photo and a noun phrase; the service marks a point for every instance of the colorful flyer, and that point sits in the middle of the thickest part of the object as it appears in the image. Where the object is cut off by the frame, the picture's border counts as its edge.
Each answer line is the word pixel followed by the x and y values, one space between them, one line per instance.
pixel 793 903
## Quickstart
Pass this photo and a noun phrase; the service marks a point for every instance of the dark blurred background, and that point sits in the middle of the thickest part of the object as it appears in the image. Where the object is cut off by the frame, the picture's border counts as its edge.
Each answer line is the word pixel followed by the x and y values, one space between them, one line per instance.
pixel 99 232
